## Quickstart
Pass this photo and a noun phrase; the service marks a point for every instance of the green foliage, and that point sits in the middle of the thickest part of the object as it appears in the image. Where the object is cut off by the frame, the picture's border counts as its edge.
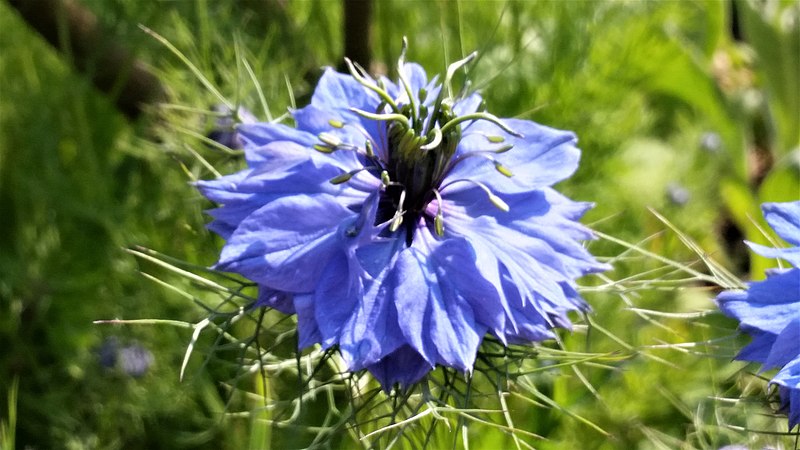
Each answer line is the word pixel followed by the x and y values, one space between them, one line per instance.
pixel 664 103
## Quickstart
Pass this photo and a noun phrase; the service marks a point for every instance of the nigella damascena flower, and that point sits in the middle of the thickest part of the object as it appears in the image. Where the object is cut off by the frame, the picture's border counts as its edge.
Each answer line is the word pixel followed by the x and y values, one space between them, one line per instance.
pixel 402 223
pixel 769 310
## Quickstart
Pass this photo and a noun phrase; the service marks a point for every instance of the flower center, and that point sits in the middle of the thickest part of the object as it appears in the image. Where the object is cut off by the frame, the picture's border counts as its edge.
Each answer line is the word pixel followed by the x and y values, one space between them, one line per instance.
pixel 419 141
pixel 415 169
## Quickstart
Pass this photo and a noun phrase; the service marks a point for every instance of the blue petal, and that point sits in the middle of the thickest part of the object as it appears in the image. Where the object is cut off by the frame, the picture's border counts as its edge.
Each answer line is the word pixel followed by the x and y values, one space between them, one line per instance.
pixel 276 149
pixel 356 310
pixel 784 218
pixel 404 366
pixel 238 205
pixel 417 79
pixel 543 253
pixel 787 345
pixel 543 157
pixel 530 324
pixel 537 272
pixel 286 244
pixel 373 330
pixel 335 94
pixel 437 319
pixel 468 105
pixel 336 298
pixel 789 381
pixel 760 346
pixel 307 330
pixel 460 279
pixel 256 136
pixel 791 254
pixel 340 91
pixel 278 300
pixel 768 305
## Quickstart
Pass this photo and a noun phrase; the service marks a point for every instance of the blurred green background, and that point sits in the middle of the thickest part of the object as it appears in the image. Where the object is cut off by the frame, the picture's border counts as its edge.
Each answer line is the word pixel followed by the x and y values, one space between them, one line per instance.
pixel 679 106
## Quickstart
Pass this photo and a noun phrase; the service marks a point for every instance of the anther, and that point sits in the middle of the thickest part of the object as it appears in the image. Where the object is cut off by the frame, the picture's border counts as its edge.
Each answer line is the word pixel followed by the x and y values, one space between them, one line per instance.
pixel 397 220
pixel 499 203
pixel 496 201
pixel 323 148
pixel 341 178
pixel 438 220
pixel 335 123
pixel 503 169
pixel 330 139
pixel 438 224
pixel 495 139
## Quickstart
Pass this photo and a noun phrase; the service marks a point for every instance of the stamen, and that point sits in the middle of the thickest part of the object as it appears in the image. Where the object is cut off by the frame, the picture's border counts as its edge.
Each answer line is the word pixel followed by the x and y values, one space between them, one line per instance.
pixel 339 179
pixel 438 220
pixel 369 143
pixel 324 148
pixel 329 139
pixel 343 177
pixel 482 154
pixel 335 123
pixel 503 169
pixel 495 139
pixel 397 220
pixel 496 201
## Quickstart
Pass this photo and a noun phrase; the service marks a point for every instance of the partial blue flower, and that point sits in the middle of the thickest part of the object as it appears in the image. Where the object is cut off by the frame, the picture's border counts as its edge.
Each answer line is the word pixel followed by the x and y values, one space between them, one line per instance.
pixel 402 223
pixel 710 142
pixel 135 360
pixel 677 194
pixel 107 353
pixel 769 310
pixel 224 131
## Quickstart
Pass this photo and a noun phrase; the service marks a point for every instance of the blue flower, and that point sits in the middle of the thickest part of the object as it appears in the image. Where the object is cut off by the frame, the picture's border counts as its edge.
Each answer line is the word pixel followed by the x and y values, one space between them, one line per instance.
pixel 402 223
pixel 135 360
pixel 769 310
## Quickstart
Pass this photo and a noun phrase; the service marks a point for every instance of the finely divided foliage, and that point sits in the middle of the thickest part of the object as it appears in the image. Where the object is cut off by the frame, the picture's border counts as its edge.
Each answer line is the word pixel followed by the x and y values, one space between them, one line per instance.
pixel 402 223
pixel 769 310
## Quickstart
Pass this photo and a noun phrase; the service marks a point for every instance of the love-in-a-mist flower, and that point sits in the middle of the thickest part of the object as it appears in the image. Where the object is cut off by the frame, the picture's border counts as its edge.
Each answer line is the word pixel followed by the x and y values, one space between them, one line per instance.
pixel 402 223
pixel 769 310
